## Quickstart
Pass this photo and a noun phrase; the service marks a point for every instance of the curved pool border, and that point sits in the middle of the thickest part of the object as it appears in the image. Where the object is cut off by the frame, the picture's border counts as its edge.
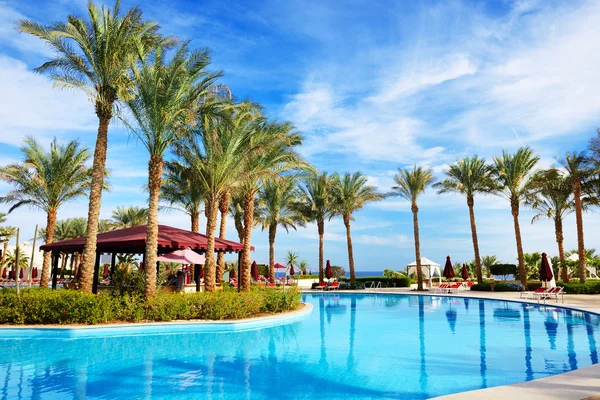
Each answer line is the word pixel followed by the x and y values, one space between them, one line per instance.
pixel 154 328
pixel 576 384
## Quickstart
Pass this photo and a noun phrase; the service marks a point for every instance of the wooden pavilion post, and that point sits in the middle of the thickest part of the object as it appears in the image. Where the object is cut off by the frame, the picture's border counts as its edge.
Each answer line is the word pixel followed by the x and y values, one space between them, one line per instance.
pixel 197 276
pixel 239 269
pixel 96 273
pixel 55 255
pixel 113 263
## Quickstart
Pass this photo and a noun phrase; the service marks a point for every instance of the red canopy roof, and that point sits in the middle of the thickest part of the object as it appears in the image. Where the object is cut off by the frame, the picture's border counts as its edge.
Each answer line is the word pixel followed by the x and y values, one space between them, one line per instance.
pixel 133 240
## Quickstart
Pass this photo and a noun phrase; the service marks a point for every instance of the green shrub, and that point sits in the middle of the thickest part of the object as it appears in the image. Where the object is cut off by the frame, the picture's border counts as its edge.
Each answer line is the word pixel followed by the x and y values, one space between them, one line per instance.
pixel 386 282
pixel 482 287
pixel 533 285
pixel 45 306
pixel 589 287
pixel 503 269
pixel 508 287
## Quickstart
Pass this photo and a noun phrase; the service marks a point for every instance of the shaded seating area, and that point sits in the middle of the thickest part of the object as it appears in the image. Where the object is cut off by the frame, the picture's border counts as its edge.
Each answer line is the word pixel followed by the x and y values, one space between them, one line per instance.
pixel 133 241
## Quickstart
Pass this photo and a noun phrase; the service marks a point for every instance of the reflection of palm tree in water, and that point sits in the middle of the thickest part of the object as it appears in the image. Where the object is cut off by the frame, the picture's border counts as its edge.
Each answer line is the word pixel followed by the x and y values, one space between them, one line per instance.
pixel 148 373
pixel 570 343
pixel 527 332
pixel 591 339
pixel 482 350
pixel 423 370
pixel 350 361
pixel 323 359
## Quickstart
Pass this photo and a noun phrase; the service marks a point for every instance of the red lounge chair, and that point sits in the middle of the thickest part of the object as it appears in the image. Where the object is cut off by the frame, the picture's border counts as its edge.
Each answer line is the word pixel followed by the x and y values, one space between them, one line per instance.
pixel 525 295
pixel 334 286
pixel 321 286
pixel 455 287
pixel 443 288
pixel 552 293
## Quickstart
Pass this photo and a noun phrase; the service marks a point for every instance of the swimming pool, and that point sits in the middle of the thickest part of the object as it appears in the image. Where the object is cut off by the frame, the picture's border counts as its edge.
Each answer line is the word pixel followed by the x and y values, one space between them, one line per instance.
pixel 351 346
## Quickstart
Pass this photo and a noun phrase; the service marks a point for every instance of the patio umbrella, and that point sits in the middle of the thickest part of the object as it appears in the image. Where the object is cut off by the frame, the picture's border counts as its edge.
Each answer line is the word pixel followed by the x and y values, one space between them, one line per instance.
pixel 254 270
pixel 232 274
pixel 106 272
pixel 448 270
pixel 201 272
pixel 141 267
pixel 34 273
pixel 546 274
pixel 4 273
pixel 21 273
pixel 292 272
pixel 183 256
pixel 464 273
pixel 11 274
pixel 279 266
pixel 328 271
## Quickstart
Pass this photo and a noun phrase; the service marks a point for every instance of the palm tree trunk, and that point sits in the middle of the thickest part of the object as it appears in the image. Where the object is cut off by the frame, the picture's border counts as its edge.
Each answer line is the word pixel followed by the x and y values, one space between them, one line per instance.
pixel 248 224
pixel 558 230
pixel 579 219
pixel 415 211
pixel 515 213
pixel 350 252
pixel 4 252
pixel 272 233
pixel 223 208
pixel 98 171
pixel 211 226
pixel 239 227
pixel 155 167
pixel 195 217
pixel 321 228
pixel 479 274
pixel 50 226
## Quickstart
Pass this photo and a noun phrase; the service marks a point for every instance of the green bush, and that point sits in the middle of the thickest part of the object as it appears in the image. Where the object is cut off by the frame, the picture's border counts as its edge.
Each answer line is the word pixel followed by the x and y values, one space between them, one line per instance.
pixel 386 282
pixel 497 287
pixel 533 285
pixel 45 306
pixel 482 287
pixel 589 287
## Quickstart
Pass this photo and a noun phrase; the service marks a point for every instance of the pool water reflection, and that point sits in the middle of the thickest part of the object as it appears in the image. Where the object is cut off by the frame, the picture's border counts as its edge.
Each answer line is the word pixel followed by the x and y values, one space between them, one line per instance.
pixel 352 346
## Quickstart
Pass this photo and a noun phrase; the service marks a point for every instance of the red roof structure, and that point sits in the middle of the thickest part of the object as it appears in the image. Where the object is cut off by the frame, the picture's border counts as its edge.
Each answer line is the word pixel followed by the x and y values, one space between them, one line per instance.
pixel 133 240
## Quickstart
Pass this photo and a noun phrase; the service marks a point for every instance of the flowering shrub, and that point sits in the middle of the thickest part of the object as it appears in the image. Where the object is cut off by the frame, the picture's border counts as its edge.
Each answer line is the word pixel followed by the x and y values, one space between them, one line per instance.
pixel 45 306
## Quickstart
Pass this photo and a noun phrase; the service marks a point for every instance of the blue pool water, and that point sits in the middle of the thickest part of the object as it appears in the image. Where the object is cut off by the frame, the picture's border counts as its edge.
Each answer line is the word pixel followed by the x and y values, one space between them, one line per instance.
pixel 350 347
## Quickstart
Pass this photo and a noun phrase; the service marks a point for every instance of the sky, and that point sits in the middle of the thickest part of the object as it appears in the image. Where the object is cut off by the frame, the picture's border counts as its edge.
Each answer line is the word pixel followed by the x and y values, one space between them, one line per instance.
pixel 373 86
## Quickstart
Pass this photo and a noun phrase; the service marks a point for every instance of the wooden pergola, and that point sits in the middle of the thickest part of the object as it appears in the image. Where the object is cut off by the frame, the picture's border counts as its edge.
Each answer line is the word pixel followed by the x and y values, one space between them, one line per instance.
pixel 133 241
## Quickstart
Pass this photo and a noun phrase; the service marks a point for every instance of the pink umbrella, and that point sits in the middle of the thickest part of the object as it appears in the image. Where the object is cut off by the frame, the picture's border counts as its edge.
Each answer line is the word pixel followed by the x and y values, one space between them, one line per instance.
pixel 328 271
pixel 186 256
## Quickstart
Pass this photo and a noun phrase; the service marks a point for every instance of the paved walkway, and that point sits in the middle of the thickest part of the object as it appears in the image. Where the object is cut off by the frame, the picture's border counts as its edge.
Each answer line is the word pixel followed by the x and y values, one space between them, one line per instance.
pixel 583 383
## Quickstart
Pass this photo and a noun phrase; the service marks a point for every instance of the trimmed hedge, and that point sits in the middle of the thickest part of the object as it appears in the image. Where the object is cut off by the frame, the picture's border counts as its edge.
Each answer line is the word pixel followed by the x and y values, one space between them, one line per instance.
pixel 45 306
pixel 589 287
pixel 386 282
pixel 498 287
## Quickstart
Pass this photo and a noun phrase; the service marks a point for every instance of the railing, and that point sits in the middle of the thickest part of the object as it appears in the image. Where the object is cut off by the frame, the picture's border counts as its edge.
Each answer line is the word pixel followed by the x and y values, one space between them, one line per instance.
pixel 375 286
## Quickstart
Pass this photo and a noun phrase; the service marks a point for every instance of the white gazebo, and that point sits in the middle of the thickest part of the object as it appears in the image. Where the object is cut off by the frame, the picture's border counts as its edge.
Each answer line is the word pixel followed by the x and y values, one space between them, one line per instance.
pixel 428 268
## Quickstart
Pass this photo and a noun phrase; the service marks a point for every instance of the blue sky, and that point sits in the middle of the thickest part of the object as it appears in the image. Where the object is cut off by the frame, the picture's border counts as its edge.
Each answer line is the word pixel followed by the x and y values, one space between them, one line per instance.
pixel 374 86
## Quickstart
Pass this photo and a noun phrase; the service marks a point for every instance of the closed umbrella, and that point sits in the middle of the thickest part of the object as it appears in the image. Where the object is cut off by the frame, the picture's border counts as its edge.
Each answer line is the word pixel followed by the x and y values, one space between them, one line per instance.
pixel 201 272
pixel 448 270
pixel 328 271
pixel 11 274
pixel 21 273
pixel 4 273
pixel 105 273
pixel 232 274
pixel 34 273
pixel 546 274
pixel 254 271
pixel 292 272
pixel 141 268
pixel 464 273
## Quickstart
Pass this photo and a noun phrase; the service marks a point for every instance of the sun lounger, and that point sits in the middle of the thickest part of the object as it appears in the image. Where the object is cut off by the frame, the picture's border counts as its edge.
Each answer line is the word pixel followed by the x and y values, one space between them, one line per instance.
pixel 321 286
pixel 455 288
pixel 443 288
pixel 552 293
pixel 333 286
pixel 532 294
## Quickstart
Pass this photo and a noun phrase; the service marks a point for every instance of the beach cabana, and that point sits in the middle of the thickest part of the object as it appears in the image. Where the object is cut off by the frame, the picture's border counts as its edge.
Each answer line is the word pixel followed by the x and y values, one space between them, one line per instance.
pixel 133 241
pixel 428 268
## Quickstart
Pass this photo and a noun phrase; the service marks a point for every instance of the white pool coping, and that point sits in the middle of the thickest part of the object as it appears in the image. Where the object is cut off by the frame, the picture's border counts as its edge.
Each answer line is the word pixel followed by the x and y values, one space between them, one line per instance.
pixel 154 328
pixel 578 384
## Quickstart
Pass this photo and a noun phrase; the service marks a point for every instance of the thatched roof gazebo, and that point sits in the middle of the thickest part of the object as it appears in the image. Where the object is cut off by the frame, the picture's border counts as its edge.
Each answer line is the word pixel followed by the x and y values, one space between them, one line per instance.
pixel 133 241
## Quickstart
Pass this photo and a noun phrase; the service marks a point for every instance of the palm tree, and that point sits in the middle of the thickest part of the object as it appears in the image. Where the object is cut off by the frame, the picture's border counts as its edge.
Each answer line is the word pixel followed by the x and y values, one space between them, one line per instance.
pixel 487 262
pixel 554 201
pixel 6 233
pixel 350 194
pixel 11 259
pixel 316 205
pixel 223 210
pixel 410 184
pixel 468 177
pixel 46 180
pixel 516 182
pixel 96 56
pixel 236 210
pixel 580 172
pixel 276 206
pixel 168 96
pixel 128 217
pixel 271 152
pixel 291 260
pixel 181 189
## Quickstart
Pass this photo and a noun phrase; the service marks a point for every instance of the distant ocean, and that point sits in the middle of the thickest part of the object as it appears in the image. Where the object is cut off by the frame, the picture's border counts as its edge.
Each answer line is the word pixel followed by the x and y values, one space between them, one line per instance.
pixel 365 273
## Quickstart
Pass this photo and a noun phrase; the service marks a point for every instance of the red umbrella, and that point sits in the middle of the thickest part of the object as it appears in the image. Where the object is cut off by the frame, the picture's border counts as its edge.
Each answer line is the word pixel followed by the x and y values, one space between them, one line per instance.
pixel 232 274
pixel 464 273
pixel 106 273
pixel 254 271
pixel 448 270
pixel 292 272
pixel 21 273
pixel 141 266
pixel 328 271
pixel 11 274
pixel 4 273
pixel 201 272
pixel 34 273
pixel 546 274
pixel 279 266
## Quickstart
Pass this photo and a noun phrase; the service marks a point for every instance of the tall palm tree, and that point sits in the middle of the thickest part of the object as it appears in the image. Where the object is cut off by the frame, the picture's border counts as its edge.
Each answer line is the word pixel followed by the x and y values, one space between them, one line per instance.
pixel 554 201
pixel 469 177
pixel 487 262
pixel 223 211
pixel 95 55
pixel 6 233
pixel 169 93
pixel 316 205
pixel 578 169
pixel 236 209
pixel 128 217
pixel 410 184
pixel 181 189
pixel 47 180
pixel 271 153
pixel 516 182
pixel 350 194
pixel 276 206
